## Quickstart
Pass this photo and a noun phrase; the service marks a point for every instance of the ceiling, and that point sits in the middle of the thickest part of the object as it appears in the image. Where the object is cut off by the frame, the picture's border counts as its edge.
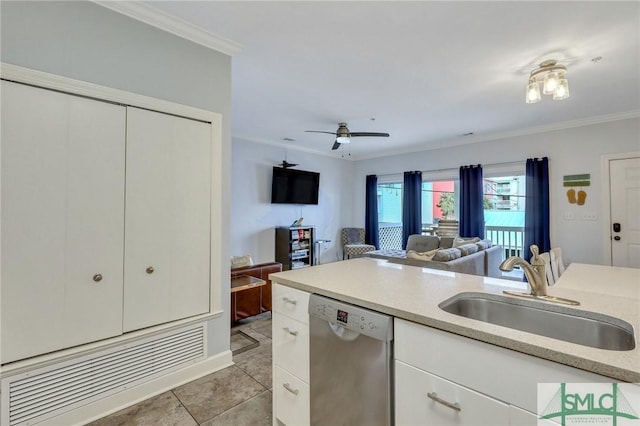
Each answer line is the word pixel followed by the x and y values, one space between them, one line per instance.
pixel 426 72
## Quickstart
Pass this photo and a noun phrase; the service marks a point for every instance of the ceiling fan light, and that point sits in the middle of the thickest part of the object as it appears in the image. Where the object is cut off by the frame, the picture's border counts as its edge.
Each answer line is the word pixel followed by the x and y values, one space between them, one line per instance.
pixel 533 93
pixel 562 91
pixel 551 81
pixel 343 139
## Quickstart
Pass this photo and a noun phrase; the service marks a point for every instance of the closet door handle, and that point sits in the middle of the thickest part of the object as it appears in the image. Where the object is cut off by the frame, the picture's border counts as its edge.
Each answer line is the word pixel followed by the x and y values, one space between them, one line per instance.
pixel 97 278
pixel 150 270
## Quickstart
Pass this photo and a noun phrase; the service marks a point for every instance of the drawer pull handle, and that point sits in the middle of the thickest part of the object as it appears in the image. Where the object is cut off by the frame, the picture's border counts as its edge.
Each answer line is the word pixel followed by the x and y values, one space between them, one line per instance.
pixel 288 387
pixel 287 300
pixel 288 330
pixel 454 406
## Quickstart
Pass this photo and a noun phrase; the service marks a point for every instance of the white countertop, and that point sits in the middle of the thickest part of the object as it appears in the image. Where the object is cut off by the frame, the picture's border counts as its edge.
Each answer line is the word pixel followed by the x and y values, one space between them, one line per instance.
pixel 414 293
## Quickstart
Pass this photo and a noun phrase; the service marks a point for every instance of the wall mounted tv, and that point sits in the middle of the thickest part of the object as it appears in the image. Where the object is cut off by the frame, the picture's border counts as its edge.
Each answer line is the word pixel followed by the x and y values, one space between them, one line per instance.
pixel 289 186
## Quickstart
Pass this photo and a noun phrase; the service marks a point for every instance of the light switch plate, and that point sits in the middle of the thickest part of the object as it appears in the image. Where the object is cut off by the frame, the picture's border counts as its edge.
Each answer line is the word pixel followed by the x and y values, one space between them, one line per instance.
pixel 589 216
pixel 567 216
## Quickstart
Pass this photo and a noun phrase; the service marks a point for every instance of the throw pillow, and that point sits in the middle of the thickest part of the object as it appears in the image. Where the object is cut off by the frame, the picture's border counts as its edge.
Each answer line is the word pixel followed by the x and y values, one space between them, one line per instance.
pixel 458 241
pixel 445 255
pixel 427 255
pixel 239 261
pixel 483 245
pixel 467 249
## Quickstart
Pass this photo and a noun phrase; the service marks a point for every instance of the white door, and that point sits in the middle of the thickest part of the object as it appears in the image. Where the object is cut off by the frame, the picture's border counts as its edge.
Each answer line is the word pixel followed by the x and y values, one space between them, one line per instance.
pixel 624 181
pixel 62 220
pixel 167 219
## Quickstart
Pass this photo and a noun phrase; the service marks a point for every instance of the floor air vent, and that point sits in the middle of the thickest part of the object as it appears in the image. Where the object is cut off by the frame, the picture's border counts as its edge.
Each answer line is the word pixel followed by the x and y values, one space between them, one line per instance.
pixel 40 394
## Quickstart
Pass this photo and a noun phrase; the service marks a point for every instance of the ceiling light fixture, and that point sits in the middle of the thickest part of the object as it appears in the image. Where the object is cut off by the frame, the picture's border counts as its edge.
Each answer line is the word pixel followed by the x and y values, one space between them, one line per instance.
pixel 343 135
pixel 554 78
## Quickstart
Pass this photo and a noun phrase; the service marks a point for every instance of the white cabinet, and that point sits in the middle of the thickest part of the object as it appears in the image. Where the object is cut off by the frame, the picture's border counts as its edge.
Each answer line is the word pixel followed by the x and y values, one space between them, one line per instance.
pixel 106 219
pixel 463 367
pixel 63 168
pixel 167 236
pixel 424 399
pixel 291 403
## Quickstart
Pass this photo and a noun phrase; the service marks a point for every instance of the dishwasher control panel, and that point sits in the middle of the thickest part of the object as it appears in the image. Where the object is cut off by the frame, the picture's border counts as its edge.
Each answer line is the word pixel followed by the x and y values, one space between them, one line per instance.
pixel 351 317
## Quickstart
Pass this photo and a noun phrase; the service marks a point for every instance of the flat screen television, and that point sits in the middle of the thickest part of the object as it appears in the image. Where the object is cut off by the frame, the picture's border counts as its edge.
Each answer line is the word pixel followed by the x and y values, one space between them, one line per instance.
pixel 289 186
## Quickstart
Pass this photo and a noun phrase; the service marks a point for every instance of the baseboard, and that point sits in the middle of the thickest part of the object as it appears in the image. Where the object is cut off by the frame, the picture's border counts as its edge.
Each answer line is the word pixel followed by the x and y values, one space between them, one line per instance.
pixel 113 403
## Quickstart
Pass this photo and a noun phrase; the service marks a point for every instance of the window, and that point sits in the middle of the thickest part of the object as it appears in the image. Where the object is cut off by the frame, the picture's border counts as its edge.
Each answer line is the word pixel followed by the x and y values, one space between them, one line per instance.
pixel 390 215
pixel 439 201
pixel 504 201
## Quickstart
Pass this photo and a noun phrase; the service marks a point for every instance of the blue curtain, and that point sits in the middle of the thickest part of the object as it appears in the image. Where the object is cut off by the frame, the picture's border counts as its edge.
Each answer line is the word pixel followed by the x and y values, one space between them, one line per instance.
pixel 471 202
pixel 371 234
pixel 536 214
pixel 411 205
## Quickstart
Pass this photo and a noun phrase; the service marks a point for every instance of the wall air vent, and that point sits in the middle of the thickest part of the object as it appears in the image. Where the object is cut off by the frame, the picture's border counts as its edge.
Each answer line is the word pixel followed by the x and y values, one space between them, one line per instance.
pixel 40 394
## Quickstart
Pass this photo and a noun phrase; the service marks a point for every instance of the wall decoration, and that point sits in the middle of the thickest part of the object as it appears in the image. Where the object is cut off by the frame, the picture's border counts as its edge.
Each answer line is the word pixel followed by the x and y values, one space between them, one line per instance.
pixel 570 181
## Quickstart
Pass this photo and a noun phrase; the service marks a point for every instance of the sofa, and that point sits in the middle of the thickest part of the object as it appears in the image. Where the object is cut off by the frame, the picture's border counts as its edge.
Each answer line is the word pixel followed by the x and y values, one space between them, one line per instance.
pixel 256 300
pixel 466 256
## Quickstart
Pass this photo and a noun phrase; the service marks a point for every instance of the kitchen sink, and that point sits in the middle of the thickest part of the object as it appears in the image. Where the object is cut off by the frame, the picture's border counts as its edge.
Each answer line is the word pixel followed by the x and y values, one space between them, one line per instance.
pixel 558 322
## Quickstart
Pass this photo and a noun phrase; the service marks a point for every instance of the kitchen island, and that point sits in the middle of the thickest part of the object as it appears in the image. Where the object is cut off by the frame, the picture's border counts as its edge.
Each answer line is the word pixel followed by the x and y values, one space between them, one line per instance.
pixel 412 296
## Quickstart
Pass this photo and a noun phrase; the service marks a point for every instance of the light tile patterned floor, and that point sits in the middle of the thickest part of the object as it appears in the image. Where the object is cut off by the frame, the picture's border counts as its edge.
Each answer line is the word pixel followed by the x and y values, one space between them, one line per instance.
pixel 237 395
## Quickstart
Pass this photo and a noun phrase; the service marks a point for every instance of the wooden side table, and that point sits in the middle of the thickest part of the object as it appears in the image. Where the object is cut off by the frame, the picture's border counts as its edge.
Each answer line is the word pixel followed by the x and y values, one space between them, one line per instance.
pixel 245 282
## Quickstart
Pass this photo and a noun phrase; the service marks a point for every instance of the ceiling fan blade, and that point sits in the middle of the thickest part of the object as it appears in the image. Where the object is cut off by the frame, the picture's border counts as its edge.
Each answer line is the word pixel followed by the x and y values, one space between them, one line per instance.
pixel 320 131
pixel 336 145
pixel 355 134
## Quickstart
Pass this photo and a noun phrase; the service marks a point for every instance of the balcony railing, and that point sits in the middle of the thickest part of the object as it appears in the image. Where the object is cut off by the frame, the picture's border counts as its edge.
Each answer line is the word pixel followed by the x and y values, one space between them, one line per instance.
pixel 390 235
pixel 511 238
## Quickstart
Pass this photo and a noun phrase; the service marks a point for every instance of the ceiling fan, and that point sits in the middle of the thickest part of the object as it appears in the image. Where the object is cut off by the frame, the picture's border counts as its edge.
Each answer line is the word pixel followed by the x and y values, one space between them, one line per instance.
pixel 343 135
pixel 285 164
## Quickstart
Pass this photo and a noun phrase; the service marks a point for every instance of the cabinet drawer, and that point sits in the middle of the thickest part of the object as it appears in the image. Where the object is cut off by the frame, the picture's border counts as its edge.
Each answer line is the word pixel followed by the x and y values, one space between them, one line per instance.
pixel 291 302
pixel 447 355
pixel 291 345
pixel 290 399
pixel 414 407
pixel 520 417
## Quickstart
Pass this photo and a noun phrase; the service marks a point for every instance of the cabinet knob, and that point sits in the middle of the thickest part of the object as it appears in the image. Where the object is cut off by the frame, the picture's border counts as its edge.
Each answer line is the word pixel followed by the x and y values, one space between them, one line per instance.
pixel 150 270
pixel 97 278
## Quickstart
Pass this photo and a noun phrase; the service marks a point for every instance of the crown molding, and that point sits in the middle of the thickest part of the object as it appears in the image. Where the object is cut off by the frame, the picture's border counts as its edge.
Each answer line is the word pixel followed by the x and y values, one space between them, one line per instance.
pixel 447 143
pixel 150 15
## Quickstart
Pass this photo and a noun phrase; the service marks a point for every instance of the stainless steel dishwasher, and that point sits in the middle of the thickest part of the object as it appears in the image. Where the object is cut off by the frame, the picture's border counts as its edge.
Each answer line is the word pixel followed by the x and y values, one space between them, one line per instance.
pixel 351 355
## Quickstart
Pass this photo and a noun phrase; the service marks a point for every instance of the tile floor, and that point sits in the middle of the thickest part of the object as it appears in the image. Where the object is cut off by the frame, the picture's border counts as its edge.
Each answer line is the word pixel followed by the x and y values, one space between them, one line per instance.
pixel 237 395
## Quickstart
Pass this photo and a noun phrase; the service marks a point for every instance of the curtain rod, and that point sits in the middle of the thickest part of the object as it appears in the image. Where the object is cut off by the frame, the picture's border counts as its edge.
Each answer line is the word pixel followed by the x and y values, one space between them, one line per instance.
pixel 504 163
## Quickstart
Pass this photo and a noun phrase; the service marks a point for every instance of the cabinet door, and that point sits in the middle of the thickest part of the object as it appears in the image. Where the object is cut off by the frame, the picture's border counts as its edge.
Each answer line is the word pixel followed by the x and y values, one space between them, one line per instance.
pixel 413 406
pixel 167 220
pixel 291 345
pixel 62 220
pixel 291 399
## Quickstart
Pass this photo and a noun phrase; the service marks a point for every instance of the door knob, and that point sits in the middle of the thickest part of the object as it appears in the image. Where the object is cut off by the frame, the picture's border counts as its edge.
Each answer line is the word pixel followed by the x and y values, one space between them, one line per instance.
pixel 150 270
pixel 97 278
pixel 617 238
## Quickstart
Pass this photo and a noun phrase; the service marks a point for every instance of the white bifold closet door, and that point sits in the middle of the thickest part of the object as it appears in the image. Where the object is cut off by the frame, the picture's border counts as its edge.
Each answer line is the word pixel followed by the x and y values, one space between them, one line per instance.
pixel 167 225
pixel 62 171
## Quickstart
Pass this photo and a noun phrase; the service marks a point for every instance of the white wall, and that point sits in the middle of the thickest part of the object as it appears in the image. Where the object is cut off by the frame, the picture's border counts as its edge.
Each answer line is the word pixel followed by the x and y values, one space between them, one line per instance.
pixel 570 151
pixel 84 41
pixel 254 218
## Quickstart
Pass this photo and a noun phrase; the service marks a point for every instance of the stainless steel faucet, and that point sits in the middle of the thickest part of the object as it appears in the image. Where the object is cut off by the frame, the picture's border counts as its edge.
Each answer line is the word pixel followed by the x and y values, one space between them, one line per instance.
pixel 534 271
